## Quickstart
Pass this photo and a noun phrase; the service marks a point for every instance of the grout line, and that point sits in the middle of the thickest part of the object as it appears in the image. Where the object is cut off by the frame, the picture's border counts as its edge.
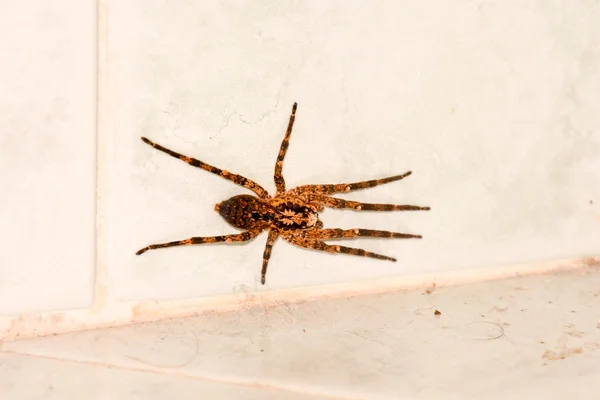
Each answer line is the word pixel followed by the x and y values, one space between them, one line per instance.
pixel 160 371
pixel 103 121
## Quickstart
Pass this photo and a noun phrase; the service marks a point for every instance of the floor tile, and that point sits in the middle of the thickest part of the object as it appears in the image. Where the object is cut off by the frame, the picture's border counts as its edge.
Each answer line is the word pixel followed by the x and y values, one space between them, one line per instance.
pixel 29 378
pixel 517 337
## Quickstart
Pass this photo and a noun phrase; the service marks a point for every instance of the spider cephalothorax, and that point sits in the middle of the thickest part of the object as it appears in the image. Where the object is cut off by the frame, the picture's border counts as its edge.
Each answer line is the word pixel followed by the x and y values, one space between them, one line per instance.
pixel 291 214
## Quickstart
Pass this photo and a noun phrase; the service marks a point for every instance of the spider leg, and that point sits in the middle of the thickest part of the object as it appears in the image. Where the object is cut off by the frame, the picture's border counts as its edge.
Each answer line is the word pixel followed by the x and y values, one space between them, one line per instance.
pixel 278 177
pixel 238 237
pixel 238 179
pixel 355 205
pixel 322 246
pixel 348 187
pixel 337 233
pixel 273 235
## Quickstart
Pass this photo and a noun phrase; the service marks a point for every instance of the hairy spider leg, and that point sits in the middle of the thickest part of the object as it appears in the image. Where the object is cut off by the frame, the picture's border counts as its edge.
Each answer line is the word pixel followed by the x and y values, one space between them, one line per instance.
pixel 238 237
pixel 337 233
pixel 238 179
pixel 322 246
pixel 278 176
pixel 273 235
pixel 348 187
pixel 358 206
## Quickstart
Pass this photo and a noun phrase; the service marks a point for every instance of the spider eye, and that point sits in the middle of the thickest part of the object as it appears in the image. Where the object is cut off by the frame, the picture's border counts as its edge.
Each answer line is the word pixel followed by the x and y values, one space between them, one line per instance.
pixel 255 215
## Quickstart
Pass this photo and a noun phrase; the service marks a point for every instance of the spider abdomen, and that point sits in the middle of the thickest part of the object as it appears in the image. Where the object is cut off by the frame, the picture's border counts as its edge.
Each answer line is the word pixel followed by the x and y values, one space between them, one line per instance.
pixel 245 212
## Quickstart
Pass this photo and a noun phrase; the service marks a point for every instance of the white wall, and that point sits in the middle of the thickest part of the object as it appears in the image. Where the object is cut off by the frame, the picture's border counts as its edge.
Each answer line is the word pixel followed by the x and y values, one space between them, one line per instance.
pixel 491 105
pixel 47 155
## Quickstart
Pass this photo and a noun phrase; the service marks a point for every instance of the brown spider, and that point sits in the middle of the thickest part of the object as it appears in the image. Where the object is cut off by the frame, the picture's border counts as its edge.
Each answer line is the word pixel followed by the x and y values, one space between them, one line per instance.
pixel 291 214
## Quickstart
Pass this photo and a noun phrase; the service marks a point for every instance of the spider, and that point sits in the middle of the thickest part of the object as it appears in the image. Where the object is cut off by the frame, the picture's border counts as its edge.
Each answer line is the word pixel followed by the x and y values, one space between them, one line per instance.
pixel 291 214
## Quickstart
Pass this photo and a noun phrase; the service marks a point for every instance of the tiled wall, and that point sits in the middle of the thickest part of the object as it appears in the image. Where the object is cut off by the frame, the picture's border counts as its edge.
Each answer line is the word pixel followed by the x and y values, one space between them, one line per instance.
pixel 47 155
pixel 499 126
